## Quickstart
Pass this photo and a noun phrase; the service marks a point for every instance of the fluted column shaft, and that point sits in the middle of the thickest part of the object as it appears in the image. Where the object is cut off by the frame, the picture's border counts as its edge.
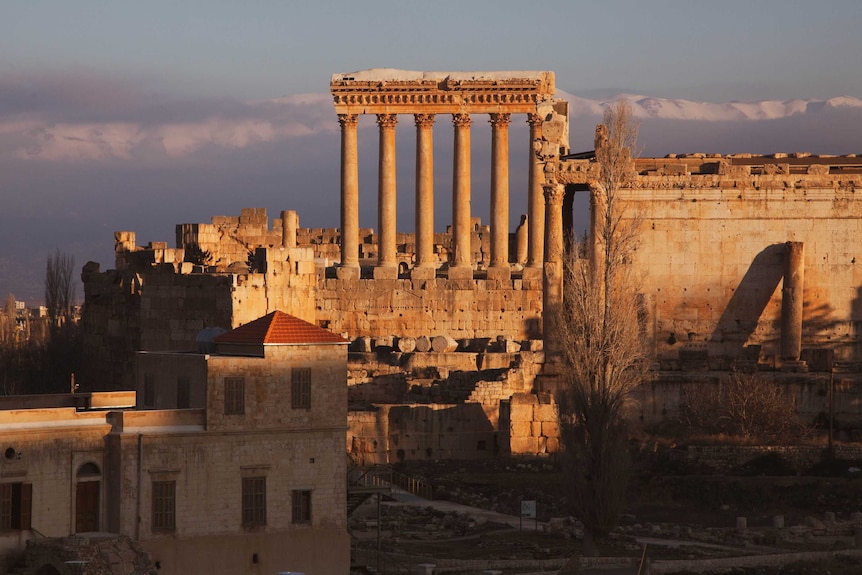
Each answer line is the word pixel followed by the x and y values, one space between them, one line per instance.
pixel 792 301
pixel 500 190
pixel 461 191
pixel 349 191
pixel 424 189
pixel 536 198
pixel 386 192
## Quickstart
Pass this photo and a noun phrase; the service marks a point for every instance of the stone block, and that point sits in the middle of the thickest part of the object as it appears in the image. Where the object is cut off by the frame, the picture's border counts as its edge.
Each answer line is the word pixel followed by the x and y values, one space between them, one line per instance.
pixel 386 273
pixel 460 273
pixel 424 273
pixel 499 273
pixel 348 273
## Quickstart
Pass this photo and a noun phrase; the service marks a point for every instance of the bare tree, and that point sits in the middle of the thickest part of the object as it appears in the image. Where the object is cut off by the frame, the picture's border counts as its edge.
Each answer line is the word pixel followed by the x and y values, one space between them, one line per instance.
pixel 743 406
pixel 597 331
pixel 59 288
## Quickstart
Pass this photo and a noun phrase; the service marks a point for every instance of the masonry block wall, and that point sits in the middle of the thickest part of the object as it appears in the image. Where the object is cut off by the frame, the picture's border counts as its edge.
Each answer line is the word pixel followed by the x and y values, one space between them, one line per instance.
pixel 712 235
pixel 457 308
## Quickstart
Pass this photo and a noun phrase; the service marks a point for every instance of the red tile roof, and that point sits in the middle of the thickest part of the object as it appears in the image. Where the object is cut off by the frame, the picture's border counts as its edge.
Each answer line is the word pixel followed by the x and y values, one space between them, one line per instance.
pixel 279 328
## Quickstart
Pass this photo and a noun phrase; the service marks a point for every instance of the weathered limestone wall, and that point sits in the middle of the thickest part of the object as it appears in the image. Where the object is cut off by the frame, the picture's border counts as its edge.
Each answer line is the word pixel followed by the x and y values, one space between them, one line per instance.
pixel 529 425
pixel 809 394
pixel 712 235
pixel 390 433
pixel 230 239
pixel 457 308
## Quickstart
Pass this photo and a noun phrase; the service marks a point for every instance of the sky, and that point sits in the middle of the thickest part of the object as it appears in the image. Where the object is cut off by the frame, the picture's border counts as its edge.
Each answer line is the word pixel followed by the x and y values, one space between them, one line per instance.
pixel 119 115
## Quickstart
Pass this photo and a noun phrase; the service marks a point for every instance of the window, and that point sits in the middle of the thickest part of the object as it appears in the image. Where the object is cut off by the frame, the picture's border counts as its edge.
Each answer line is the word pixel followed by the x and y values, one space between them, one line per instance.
pixel 300 390
pixel 234 395
pixel 149 390
pixel 15 504
pixel 301 503
pixel 253 501
pixel 183 391
pixel 164 505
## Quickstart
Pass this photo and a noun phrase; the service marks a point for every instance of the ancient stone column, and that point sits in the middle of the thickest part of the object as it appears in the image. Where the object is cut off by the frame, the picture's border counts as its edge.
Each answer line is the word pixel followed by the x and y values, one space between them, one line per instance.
pixel 536 198
pixel 424 191
pixel 289 225
pixel 461 267
pixel 500 191
pixel 387 263
pixel 552 294
pixel 349 197
pixel 791 302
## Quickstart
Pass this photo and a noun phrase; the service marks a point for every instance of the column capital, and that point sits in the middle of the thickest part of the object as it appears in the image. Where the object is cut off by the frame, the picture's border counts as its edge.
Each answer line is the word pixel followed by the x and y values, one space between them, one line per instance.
pixel 462 120
pixel 424 120
pixel 387 120
pixel 500 120
pixel 348 120
pixel 554 194
pixel 535 120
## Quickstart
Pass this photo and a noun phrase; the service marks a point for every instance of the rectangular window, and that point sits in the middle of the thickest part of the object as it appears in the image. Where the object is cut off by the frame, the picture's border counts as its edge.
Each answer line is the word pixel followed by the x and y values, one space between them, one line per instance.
pixel 301 503
pixel 234 395
pixel 164 505
pixel 149 390
pixel 15 504
pixel 183 393
pixel 300 388
pixel 253 501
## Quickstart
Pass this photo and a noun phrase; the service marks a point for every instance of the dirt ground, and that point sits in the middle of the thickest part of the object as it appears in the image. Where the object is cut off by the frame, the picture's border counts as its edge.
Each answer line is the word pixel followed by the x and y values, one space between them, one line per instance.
pixel 662 503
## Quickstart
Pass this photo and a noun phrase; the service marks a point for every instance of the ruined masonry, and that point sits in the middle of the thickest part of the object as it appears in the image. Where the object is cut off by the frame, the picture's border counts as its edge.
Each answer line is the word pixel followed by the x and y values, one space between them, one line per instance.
pixel 747 262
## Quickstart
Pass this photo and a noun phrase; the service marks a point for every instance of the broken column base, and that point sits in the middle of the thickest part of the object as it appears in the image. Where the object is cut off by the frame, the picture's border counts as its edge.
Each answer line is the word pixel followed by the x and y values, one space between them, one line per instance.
pixel 793 366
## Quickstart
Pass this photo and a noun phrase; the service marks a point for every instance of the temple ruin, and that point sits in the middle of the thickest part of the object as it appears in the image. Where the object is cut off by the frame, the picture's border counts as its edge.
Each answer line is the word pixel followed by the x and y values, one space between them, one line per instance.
pixel 747 262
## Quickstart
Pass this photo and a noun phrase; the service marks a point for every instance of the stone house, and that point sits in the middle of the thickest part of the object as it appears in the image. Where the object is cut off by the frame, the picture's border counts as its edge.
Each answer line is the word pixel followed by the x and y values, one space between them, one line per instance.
pixel 230 461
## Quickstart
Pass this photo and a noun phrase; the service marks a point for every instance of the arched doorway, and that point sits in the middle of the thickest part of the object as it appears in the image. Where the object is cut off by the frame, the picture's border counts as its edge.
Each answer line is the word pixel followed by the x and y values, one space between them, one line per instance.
pixel 87 492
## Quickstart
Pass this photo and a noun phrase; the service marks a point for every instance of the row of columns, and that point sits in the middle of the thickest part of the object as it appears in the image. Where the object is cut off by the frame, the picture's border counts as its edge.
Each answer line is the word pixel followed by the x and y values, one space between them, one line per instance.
pixel 461 264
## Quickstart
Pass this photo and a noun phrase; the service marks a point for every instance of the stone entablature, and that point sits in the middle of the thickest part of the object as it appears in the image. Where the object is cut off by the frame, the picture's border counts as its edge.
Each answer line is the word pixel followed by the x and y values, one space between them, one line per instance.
pixel 388 91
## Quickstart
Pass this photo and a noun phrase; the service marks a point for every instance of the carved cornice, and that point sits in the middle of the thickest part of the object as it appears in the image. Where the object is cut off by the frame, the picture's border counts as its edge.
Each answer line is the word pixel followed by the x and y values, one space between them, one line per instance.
pixel 500 120
pixel 424 120
pixel 461 120
pixel 387 120
pixel 446 93
pixel 348 120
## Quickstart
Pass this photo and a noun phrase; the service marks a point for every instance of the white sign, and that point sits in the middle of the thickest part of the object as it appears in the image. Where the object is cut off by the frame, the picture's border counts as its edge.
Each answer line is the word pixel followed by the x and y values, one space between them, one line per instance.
pixel 528 509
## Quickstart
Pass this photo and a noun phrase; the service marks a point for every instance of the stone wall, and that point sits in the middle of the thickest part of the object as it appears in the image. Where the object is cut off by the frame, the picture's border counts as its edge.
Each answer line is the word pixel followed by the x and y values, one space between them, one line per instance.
pixel 529 425
pixel 712 232
pixel 458 308
pixel 391 433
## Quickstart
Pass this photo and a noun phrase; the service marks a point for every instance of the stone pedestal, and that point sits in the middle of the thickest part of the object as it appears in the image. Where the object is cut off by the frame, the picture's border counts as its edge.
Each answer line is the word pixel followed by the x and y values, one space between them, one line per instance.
pixel 348 273
pixel 499 273
pixel 386 273
pixel 460 273
pixel 423 273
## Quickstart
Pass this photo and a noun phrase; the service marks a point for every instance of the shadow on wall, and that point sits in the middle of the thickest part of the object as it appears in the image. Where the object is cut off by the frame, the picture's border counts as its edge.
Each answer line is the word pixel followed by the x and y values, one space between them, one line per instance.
pixel 856 325
pixel 739 319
